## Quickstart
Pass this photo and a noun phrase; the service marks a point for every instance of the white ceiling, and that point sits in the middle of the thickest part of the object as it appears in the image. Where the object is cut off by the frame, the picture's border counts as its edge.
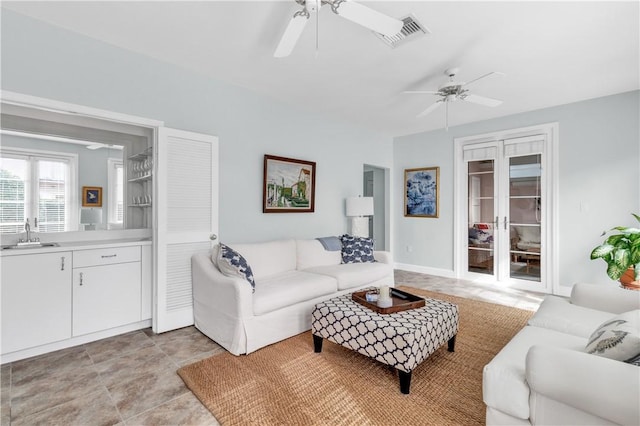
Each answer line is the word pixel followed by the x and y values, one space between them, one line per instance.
pixel 551 52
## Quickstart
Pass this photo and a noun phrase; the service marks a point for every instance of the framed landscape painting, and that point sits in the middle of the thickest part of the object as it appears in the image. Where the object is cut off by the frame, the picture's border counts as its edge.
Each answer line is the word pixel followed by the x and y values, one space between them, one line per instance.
pixel 422 192
pixel 288 186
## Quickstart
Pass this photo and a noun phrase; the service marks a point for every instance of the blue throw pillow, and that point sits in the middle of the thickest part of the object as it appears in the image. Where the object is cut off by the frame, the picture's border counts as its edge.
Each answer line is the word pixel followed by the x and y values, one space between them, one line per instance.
pixel 232 264
pixel 356 249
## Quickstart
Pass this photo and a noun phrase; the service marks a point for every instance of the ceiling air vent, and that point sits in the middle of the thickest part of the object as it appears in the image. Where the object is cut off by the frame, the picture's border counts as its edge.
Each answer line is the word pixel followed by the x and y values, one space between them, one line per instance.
pixel 410 30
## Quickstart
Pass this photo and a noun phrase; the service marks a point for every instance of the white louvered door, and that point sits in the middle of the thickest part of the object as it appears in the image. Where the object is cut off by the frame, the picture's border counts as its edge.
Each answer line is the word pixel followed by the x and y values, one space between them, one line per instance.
pixel 186 217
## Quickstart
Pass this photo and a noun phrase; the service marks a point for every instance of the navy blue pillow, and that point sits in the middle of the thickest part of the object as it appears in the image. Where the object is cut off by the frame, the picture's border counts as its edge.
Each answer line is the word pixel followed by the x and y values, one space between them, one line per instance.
pixel 232 263
pixel 356 249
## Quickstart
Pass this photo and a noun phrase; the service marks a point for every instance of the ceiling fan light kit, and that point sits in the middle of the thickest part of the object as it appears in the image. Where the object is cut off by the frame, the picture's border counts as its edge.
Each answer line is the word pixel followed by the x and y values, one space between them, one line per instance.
pixel 348 9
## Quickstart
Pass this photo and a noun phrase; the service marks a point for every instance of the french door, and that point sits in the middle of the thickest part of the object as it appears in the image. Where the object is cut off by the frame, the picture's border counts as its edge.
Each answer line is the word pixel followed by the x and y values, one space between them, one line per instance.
pixel 504 217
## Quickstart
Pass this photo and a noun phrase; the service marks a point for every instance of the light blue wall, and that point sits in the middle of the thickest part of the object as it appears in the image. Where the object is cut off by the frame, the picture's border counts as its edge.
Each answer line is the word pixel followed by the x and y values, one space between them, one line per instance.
pixel 41 60
pixel 599 163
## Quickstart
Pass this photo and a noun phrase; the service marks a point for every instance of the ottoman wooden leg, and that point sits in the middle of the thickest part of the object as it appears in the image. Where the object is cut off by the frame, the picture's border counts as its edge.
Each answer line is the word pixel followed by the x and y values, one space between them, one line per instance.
pixel 452 344
pixel 317 344
pixel 405 381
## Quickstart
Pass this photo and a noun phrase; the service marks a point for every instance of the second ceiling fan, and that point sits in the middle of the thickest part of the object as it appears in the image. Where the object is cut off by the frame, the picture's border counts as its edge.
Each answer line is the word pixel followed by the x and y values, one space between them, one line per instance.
pixel 456 91
pixel 348 9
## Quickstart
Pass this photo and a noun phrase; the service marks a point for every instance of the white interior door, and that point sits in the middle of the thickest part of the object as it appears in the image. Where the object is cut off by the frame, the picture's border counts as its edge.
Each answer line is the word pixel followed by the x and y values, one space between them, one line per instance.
pixel 186 216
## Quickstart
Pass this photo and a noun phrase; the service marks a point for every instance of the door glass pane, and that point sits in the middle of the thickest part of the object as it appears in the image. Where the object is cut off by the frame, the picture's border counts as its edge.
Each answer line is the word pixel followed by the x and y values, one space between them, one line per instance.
pixel 525 203
pixel 481 216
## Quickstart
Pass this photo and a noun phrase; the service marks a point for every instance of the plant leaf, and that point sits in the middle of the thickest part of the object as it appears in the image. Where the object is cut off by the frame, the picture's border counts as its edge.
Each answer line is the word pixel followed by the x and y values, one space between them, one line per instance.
pixel 626 230
pixel 621 258
pixel 615 239
pixel 602 251
pixel 615 271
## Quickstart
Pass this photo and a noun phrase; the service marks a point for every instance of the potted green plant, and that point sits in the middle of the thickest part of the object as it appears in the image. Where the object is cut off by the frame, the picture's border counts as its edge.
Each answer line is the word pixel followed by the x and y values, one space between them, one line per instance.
pixel 621 251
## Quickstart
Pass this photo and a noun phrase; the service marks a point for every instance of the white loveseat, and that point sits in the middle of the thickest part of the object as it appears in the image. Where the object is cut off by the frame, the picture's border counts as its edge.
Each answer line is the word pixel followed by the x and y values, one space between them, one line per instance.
pixel 545 376
pixel 291 276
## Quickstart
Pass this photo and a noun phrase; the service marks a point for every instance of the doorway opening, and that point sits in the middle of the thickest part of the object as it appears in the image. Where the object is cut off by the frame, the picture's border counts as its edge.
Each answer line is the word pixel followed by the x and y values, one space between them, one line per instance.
pixel 376 184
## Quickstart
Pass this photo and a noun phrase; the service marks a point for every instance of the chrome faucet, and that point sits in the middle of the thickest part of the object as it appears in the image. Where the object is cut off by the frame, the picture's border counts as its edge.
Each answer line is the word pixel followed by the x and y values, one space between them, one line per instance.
pixel 29 241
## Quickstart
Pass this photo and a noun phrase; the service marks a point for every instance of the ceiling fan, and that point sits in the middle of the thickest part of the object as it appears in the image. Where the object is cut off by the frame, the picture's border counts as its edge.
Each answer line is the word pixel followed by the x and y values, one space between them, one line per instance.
pixel 456 91
pixel 348 9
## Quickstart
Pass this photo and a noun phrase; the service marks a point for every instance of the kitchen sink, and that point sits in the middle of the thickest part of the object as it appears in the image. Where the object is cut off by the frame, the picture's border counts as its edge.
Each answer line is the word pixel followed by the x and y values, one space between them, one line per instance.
pixel 29 245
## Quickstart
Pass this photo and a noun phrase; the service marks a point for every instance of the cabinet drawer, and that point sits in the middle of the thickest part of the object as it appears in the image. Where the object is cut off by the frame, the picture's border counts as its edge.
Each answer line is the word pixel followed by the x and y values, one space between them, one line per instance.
pixel 106 256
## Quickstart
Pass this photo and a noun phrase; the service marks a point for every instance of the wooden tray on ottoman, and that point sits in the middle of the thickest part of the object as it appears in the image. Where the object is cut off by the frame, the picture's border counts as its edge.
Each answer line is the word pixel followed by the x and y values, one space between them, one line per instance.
pixel 402 301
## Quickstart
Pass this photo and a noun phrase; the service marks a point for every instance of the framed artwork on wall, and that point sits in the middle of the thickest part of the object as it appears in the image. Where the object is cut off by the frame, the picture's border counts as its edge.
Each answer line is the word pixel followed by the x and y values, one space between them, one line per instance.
pixel 422 192
pixel 289 185
pixel 91 196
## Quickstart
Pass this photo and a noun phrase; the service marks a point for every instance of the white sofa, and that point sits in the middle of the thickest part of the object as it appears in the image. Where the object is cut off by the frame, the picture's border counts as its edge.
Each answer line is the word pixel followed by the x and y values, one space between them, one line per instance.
pixel 545 376
pixel 291 276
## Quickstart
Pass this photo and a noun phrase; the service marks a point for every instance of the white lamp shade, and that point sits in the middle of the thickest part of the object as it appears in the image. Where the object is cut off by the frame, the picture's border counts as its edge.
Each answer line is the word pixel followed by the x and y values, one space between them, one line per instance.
pixel 91 216
pixel 360 206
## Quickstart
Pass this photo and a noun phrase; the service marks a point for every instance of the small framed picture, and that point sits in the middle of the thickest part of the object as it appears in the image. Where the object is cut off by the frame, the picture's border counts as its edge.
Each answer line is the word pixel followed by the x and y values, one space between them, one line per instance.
pixel 91 196
pixel 289 185
pixel 422 192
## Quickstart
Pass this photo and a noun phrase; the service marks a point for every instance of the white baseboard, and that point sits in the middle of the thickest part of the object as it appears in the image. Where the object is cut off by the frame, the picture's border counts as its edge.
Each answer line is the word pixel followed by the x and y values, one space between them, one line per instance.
pixel 74 341
pixel 446 273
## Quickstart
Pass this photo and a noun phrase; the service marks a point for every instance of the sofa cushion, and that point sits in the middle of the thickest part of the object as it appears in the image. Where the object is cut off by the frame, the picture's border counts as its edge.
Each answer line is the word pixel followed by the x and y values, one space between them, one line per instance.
pixel 356 249
pixel 269 258
pixel 232 264
pixel 289 288
pixel 528 234
pixel 310 253
pixel 557 313
pixel 355 274
pixel 618 338
pixel 504 385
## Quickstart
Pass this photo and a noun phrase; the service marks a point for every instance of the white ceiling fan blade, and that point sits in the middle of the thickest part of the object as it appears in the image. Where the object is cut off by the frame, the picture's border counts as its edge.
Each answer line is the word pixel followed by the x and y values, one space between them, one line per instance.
pixel 428 92
pixel 292 34
pixel 482 100
pixel 483 76
pixel 429 110
pixel 368 18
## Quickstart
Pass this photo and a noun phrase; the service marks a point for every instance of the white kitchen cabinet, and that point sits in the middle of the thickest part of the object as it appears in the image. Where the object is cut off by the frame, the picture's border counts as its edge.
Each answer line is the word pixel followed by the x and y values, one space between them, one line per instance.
pixel 36 300
pixel 106 288
pixel 57 297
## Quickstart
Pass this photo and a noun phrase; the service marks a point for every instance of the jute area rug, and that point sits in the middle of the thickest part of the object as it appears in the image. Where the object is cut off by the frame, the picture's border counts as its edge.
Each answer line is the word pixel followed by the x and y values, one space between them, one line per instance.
pixel 288 384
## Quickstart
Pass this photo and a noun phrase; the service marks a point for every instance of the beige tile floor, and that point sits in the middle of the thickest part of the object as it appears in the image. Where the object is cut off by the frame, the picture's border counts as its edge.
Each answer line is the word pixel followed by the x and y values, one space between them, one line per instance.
pixel 131 379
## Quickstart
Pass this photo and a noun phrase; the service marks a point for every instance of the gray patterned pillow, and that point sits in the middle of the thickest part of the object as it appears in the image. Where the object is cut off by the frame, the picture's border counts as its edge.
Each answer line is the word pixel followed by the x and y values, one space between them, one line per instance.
pixel 233 264
pixel 356 249
pixel 618 338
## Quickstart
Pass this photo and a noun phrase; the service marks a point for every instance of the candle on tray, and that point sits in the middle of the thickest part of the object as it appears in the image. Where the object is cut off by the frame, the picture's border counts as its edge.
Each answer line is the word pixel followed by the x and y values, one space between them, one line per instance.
pixel 384 299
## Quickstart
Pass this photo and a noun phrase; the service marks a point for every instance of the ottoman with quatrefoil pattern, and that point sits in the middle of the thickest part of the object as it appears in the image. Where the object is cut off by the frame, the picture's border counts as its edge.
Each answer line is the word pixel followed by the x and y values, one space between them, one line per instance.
pixel 401 340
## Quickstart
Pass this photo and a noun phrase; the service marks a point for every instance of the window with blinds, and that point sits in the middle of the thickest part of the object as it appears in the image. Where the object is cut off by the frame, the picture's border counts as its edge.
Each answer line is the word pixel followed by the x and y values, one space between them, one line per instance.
pixel 35 186
pixel 115 175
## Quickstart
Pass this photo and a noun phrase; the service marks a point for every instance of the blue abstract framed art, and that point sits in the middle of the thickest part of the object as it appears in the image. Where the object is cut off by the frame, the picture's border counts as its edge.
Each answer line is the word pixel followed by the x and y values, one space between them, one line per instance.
pixel 422 192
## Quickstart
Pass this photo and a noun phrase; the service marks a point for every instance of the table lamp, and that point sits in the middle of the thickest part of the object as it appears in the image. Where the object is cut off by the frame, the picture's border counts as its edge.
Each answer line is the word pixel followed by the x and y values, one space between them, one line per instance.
pixel 89 218
pixel 358 209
